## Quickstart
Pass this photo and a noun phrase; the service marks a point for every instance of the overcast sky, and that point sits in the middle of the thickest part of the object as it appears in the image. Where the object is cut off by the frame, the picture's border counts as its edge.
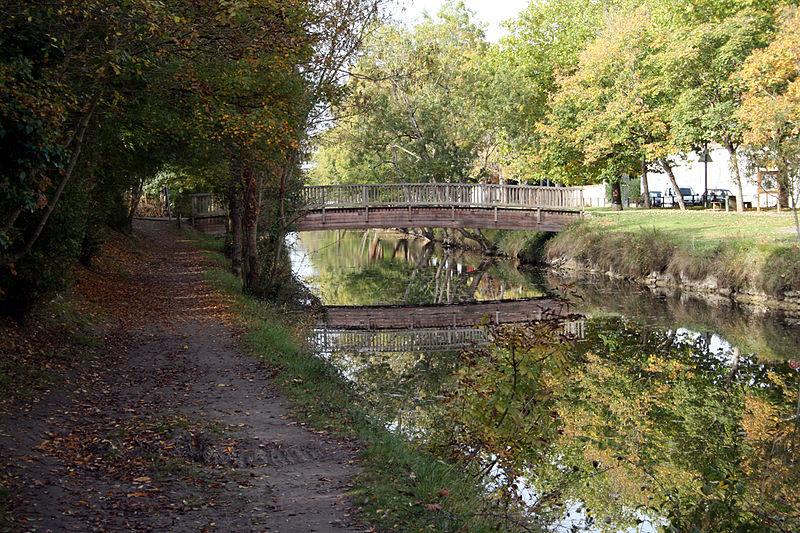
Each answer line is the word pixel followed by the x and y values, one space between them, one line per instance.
pixel 492 12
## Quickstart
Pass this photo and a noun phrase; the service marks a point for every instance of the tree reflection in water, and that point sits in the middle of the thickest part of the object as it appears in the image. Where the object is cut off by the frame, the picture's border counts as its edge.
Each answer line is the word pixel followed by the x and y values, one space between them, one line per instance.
pixel 635 421
pixel 375 268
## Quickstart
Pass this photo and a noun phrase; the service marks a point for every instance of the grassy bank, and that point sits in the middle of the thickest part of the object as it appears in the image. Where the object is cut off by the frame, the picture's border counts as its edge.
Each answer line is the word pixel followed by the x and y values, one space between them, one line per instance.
pixel 751 253
pixel 402 488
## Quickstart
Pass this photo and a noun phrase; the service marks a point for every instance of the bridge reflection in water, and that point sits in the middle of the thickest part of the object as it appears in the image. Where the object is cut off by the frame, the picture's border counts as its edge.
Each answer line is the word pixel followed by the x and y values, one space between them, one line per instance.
pixel 391 329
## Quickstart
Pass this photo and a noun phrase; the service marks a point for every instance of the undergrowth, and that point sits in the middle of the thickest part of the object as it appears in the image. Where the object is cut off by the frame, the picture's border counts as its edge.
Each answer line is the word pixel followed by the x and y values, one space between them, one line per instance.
pixel 401 488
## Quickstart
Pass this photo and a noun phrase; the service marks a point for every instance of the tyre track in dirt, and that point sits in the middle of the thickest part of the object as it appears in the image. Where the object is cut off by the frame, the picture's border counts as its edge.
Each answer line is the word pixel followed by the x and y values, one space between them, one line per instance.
pixel 82 456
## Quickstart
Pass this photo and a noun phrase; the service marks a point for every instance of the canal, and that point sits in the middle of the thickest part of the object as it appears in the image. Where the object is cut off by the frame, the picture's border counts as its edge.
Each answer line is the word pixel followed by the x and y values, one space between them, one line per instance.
pixel 588 404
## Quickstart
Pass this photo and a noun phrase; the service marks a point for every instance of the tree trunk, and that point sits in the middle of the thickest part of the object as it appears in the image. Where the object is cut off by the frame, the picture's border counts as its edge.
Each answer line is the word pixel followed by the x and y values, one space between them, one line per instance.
pixel 616 196
pixel 645 185
pixel 235 211
pixel 734 367
pixel 252 209
pixel 737 177
pixel 665 164
pixel 286 174
pixel 136 196
pixel 795 194
pixel 427 253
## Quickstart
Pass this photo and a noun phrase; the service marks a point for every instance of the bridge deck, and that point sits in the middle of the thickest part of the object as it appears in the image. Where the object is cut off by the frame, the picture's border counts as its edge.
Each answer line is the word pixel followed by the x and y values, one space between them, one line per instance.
pixel 443 315
pixel 436 217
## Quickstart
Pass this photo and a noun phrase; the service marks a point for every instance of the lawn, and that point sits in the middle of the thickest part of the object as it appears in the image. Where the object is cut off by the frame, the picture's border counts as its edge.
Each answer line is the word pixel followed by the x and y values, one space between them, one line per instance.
pixel 704 229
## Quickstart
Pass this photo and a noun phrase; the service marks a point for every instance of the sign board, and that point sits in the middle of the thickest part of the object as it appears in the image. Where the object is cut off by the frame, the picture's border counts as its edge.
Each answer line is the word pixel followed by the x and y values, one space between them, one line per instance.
pixel 768 184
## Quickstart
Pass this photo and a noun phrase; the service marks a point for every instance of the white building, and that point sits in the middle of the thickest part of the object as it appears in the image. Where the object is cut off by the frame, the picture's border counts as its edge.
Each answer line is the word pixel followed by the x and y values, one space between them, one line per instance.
pixel 690 172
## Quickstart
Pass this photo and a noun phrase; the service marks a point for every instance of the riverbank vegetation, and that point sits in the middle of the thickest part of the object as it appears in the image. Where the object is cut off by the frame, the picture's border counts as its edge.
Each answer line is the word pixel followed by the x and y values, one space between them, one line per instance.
pixel 718 252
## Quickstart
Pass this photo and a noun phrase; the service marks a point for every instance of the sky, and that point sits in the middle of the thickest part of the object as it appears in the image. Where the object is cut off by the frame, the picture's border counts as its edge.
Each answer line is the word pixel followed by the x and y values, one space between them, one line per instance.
pixel 492 12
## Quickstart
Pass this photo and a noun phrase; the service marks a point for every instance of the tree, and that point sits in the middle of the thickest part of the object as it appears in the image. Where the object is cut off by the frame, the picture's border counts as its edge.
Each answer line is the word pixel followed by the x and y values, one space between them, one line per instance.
pixel 610 114
pixel 770 107
pixel 414 112
pixel 65 67
pixel 203 86
pixel 62 62
pixel 545 42
pixel 701 61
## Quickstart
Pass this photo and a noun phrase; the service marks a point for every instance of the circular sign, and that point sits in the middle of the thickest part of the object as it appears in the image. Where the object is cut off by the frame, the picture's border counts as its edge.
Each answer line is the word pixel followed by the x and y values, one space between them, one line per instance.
pixel 794 364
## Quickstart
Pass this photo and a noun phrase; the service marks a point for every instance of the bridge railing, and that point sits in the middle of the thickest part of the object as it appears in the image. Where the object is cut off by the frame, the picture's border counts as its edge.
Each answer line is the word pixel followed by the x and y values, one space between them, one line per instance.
pixel 414 339
pixel 441 194
pixel 207 204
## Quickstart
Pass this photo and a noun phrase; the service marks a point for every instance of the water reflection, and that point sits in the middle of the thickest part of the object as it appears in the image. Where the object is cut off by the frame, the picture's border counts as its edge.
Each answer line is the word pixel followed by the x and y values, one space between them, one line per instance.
pixel 671 410
pixel 373 268
pixel 428 327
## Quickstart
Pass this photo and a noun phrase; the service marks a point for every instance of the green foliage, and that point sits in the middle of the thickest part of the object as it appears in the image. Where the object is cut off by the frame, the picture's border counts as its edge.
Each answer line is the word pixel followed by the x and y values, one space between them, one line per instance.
pixel 545 42
pixel 501 408
pixel 416 108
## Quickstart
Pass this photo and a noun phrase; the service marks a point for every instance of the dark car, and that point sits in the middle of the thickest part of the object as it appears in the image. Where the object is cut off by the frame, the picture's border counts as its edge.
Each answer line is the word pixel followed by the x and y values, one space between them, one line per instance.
pixel 656 199
pixel 716 195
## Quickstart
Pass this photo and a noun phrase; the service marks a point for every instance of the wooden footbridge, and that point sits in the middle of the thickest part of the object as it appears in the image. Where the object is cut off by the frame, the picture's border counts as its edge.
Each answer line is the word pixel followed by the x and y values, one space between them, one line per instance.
pixel 440 205
pixel 418 205
pixel 391 329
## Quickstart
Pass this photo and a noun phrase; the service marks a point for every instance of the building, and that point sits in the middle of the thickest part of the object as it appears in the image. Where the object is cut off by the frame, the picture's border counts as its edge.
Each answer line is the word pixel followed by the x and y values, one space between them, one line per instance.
pixel 690 172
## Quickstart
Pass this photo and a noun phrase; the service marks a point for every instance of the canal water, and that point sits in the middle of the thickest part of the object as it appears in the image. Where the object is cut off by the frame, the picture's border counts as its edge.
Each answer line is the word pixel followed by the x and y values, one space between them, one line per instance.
pixel 592 405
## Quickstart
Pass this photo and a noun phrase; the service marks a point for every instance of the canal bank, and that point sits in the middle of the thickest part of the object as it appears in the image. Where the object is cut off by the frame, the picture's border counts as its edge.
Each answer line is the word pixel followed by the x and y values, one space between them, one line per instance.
pixel 400 486
pixel 752 259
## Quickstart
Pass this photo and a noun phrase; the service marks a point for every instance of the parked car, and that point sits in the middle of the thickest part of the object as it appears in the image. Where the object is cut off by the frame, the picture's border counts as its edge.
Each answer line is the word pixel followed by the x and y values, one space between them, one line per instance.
pixel 656 199
pixel 688 194
pixel 716 195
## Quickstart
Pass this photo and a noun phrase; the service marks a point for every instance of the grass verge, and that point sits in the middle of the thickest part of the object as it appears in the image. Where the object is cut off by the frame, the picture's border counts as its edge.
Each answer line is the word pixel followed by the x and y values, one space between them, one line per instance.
pixel 401 488
pixel 744 252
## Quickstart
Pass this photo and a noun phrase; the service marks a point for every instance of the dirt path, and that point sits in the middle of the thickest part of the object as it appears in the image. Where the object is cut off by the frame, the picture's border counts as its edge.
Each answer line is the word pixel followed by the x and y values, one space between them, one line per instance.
pixel 172 429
